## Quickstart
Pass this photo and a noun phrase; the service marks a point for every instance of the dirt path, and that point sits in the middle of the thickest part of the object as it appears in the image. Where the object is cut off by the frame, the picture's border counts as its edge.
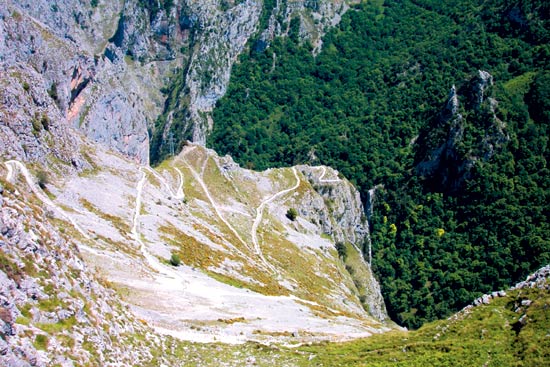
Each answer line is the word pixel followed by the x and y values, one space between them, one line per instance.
pixel 211 199
pixel 178 194
pixel 152 261
pixel 323 173
pixel 13 165
pixel 259 214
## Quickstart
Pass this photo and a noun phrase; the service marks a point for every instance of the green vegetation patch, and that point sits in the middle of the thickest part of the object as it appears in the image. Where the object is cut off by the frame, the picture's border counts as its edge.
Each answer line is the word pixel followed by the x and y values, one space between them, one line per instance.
pixel 41 342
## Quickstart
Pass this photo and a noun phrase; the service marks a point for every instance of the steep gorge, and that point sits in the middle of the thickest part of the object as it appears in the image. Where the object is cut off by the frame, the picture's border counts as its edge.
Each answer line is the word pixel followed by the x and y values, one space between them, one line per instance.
pixel 82 87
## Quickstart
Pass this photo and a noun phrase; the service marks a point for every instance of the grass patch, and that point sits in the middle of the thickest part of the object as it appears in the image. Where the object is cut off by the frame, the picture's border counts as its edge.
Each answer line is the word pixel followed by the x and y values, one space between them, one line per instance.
pixel 520 85
pixel 118 222
pixel 227 280
pixel 58 327
pixel 189 250
pixel 22 320
pixel 41 342
pixel 50 304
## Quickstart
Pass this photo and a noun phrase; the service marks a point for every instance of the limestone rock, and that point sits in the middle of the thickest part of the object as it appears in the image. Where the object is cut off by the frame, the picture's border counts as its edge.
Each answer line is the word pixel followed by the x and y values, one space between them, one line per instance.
pixel 439 156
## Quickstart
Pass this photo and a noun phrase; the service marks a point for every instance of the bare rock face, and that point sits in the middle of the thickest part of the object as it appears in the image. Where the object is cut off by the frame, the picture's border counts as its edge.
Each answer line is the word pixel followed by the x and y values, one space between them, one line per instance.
pixel 337 208
pixel 316 17
pixel 97 87
pixel 31 125
pixel 341 213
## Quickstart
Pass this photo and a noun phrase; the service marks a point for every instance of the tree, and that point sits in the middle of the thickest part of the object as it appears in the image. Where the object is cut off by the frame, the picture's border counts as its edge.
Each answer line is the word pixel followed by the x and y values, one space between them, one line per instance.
pixel 342 250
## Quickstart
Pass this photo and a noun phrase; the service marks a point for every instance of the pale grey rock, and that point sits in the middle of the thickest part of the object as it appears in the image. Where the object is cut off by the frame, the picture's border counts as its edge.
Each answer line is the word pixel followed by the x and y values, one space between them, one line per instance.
pixel 341 212
pixel 4 348
pixel 32 289
pixel 540 279
pixel 31 124
pixel 523 320
pixel 51 50
pixel 13 361
pixel 220 36
pixel 485 80
pixel 64 314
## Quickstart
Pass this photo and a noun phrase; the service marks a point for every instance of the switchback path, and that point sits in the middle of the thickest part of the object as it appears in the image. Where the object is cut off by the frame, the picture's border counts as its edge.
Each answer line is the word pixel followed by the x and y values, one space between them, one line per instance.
pixel 210 198
pixel 259 214
pixel 323 173
pixel 178 194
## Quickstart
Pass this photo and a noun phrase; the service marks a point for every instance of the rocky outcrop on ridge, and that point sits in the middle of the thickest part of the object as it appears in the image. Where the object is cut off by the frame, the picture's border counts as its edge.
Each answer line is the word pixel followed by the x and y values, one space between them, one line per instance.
pixel 470 113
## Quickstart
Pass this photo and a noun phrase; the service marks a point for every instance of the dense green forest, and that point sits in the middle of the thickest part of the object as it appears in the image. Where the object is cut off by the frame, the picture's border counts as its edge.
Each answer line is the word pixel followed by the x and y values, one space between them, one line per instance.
pixel 372 105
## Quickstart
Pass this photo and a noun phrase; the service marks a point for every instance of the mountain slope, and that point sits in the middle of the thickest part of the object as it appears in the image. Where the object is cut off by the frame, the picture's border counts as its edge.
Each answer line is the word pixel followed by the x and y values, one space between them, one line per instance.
pixel 504 329
pixel 53 309
pixel 229 224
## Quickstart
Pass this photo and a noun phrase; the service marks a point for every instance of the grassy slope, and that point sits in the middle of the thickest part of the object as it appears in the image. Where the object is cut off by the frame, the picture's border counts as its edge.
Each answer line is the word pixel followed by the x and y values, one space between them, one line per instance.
pixel 488 335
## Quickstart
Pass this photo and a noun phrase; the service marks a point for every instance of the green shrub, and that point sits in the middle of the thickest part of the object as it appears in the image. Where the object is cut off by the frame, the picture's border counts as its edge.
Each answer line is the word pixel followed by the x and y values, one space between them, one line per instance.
pixel 175 260
pixel 45 122
pixel 291 214
pixel 342 250
pixel 41 342
pixel 52 92
pixel 37 126
pixel 43 179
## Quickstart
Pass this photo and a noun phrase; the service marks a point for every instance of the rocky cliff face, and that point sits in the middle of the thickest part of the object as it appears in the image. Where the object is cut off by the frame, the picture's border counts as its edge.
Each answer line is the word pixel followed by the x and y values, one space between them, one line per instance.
pixel 315 18
pixel 64 46
pixel 220 30
pixel 105 63
pixel 470 113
